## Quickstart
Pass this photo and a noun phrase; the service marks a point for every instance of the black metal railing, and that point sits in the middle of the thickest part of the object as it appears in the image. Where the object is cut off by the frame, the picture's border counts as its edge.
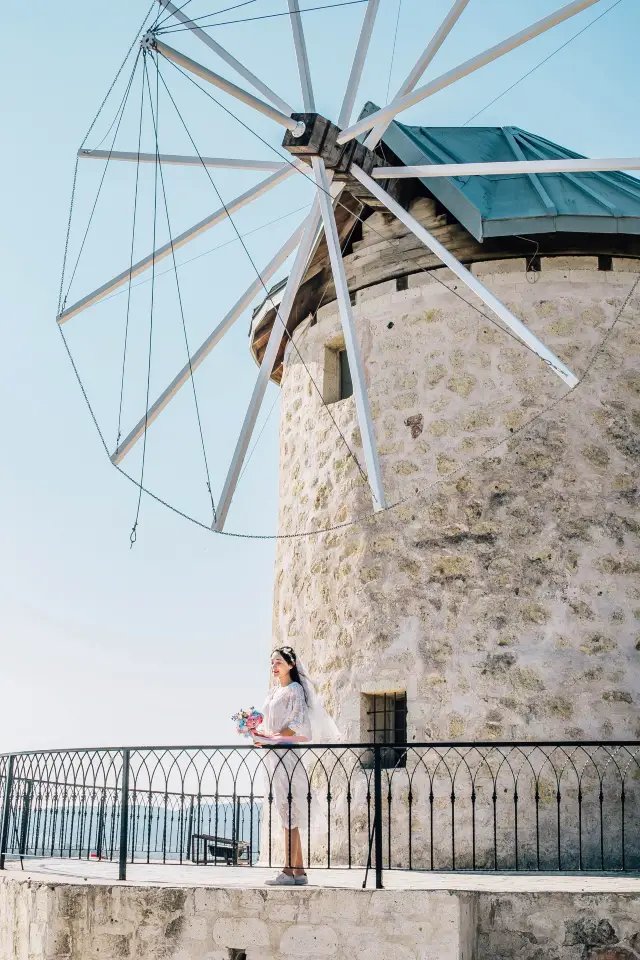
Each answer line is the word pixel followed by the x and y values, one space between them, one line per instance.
pixel 562 806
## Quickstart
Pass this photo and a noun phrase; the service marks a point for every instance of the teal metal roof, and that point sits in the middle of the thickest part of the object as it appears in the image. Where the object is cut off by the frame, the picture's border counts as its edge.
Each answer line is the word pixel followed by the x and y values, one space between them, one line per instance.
pixel 505 205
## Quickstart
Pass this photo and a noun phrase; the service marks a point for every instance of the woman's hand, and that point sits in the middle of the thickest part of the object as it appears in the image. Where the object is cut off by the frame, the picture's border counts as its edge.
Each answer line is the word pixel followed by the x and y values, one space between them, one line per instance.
pixel 263 736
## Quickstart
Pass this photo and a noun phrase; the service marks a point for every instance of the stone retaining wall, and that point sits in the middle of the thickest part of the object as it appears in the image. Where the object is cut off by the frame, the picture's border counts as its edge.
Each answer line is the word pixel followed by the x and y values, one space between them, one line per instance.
pixel 50 920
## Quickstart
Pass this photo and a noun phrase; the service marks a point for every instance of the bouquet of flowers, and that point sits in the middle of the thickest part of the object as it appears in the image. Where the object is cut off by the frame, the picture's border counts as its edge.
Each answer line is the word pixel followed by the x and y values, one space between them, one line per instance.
pixel 247 721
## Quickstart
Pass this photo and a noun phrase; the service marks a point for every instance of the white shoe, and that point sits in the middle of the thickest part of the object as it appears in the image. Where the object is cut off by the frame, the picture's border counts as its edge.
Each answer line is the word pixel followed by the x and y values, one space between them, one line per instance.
pixel 302 880
pixel 282 880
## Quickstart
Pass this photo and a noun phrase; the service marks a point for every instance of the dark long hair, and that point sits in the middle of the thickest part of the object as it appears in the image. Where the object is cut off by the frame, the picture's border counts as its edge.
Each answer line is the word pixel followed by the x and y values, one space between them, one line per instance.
pixel 288 654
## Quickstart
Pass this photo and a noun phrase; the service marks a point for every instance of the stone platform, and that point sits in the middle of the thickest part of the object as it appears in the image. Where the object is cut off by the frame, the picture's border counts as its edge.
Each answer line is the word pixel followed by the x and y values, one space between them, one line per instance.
pixel 78 910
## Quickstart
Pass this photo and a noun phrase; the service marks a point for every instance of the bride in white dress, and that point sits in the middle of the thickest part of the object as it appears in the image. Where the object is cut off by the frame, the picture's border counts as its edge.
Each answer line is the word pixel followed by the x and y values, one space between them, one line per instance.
pixel 293 713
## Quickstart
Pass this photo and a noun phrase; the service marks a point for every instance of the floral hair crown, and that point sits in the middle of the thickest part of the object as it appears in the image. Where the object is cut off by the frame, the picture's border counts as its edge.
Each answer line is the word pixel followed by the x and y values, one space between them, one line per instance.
pixel 289 653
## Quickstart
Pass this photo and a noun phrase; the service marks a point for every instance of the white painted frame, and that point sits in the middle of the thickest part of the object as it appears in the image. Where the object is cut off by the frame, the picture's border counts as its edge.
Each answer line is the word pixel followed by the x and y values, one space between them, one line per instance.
pixel 266 367
pixel 302 57
pixel 205 348
pixel 227 57
pixel 222 163
pixel 423 62
pixel 353 84
pixel 322 217
pixel 386 114
pixel 296 127
pixel 356 366
pixel 487 297
pixel 582 165
pixel 164 251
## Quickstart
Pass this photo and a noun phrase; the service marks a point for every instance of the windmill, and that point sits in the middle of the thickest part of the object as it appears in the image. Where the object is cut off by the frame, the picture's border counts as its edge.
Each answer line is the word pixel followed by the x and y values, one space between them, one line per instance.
pixel 334 154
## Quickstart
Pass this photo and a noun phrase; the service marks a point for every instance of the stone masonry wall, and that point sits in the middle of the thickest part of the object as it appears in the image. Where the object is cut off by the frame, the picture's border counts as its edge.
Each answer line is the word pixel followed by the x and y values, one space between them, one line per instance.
pixel 60 920
pixel 63 921
pixel 503 591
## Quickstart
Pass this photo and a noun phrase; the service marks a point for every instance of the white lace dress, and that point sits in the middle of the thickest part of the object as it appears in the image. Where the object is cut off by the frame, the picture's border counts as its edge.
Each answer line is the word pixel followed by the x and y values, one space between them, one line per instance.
pixel 286 707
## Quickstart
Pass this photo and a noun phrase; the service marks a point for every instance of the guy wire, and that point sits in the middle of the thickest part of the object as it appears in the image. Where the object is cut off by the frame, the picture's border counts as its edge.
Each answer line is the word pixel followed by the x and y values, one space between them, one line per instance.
pixel 266 290
pixel 179 293
pixel 436 483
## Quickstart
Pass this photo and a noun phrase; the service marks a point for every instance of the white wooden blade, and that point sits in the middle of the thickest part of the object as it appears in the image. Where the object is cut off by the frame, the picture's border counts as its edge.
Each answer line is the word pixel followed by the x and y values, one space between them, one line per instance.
pixel 434 45
pixel 363 407
pixel 263 187
pixel 511 321
pixel 464 69
pixel 205 349
pixel 509 167
pixel 232 89
pixel 227 57
pixel 357 66
pixel 266 367
pixel 222 163
pixel 302 57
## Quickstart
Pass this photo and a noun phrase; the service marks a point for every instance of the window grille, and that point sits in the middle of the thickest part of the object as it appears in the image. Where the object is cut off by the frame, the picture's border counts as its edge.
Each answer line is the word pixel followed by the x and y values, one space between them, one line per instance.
pixel 386 715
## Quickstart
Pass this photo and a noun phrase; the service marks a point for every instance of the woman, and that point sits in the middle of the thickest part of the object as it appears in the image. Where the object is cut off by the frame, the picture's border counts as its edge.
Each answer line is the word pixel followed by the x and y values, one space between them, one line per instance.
pixel 293 713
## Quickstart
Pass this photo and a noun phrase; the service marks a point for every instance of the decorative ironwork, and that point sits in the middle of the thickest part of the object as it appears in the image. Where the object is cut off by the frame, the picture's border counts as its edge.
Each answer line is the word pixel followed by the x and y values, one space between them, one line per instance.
pixel 387 715
pixel 561 806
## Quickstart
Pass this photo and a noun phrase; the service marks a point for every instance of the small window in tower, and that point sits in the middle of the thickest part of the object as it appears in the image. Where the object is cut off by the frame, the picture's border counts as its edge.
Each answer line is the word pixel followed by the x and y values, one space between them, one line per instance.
pixel 346 386
pixel 337 375
pixel 385 716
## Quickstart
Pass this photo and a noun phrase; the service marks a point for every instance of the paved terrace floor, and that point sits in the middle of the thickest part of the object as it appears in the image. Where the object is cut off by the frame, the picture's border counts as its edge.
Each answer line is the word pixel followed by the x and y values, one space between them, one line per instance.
pixel 189 875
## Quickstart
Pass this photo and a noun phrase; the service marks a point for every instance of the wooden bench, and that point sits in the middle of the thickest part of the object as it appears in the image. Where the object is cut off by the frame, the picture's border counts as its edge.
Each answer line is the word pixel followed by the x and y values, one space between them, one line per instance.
pixel 219 848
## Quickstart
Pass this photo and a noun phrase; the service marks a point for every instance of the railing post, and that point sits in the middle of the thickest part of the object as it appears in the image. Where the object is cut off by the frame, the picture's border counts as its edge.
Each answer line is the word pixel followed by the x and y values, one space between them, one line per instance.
pixel 6 811
pixel 190 831
pixel 124 815
pixel 26 814
pixel 100 840
pixel 377 811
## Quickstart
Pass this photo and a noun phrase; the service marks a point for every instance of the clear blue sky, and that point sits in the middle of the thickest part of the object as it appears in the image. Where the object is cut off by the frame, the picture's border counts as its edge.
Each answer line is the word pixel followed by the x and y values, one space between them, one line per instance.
pixel 102 644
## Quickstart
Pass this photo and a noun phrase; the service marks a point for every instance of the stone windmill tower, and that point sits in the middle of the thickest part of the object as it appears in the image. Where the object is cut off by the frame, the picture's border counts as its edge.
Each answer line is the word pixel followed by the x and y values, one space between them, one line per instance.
pixel 500 597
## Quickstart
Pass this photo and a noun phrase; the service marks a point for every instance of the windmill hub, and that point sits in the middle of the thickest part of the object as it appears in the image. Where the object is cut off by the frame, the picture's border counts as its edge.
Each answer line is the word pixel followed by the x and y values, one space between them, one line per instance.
pixel 148 41
pixel 319 139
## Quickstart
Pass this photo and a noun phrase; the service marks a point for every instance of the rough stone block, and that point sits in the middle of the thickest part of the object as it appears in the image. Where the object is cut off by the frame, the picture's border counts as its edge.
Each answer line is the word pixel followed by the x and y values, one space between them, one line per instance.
pixel 625 265
pixel 236 932
pixel 492 268
pixel 309 940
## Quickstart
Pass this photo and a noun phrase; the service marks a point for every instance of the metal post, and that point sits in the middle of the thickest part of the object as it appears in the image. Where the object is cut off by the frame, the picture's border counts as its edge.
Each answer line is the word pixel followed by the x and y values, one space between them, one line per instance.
pixel 377 811
pixel 100 840
pixel 26 813
pixel 190 831
pixel 237 829
pixel 6 811
pixel 124 814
